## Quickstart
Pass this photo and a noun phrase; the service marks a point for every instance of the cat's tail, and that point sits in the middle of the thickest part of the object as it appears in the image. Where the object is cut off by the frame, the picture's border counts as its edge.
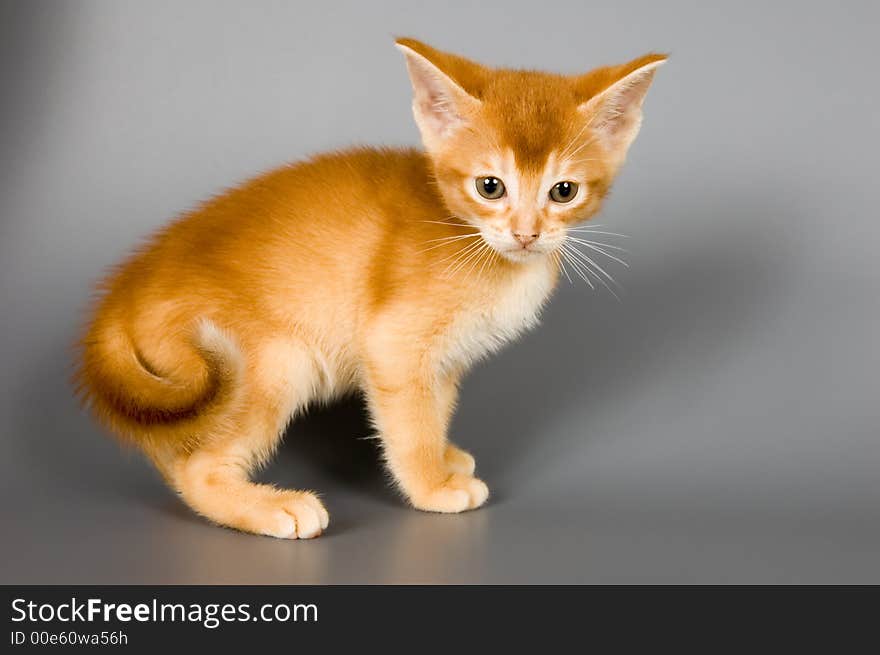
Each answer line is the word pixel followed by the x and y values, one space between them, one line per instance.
pixel 155 408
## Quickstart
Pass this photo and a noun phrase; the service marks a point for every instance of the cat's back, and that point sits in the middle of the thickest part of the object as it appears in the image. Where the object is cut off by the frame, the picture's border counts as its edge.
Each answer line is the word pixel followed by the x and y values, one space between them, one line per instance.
pixel 335 198
pixel 323 185
pixel 365 177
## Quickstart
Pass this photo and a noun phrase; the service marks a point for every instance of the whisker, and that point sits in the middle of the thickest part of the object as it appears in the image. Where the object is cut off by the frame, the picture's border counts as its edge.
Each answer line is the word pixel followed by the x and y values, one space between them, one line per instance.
pixel 589 245
pixel 581 230
pixel 561 265
pixel 601 244
pixel 454 236
pixel 588 262
pixel 589 226
pixel 471 257
pixel 481 258
pixel 578 268
pixel 467 259
pixel 457 256
pixel 489 260
pixel 476 260
pixel 599 279
pixel 586 259
pixel 461 252
pixel 452 224
pixel 447 243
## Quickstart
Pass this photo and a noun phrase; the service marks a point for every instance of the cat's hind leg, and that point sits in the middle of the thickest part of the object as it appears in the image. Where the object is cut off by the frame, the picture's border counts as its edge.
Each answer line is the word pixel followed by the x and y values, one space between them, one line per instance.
pixel 214 479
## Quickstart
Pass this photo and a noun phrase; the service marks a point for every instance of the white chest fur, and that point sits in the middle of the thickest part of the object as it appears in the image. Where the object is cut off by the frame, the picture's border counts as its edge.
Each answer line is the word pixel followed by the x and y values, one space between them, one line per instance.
pixel 489 323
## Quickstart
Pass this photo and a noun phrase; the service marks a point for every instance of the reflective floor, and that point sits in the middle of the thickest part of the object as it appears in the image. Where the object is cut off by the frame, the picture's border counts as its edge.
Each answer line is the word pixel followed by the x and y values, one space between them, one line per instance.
pixel 699 463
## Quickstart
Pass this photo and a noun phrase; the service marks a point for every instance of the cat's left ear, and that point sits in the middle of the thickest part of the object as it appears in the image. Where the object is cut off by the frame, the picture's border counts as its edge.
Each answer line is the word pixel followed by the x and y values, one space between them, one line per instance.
pixel 614 114
pixel 440 104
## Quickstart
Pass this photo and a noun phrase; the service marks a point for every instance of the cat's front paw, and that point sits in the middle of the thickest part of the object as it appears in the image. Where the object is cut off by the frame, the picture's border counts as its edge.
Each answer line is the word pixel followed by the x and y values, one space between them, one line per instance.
pixel 458 493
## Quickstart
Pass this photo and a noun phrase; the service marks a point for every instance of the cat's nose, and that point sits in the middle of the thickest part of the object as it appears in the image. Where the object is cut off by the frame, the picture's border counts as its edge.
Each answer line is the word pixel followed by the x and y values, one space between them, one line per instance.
pixel 525 239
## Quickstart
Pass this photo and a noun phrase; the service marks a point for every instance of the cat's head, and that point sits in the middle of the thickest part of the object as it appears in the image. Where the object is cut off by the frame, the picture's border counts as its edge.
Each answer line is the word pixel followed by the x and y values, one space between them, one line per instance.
pixel 523 155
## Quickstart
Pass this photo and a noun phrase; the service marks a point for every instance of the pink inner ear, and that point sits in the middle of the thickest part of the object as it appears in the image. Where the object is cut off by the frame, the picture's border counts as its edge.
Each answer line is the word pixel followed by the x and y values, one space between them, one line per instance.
pixel 623 103
pixel 618 108
pixel 619 118
pixel 433 99
pixel 436 103
pixel 438 112
pixel 439 103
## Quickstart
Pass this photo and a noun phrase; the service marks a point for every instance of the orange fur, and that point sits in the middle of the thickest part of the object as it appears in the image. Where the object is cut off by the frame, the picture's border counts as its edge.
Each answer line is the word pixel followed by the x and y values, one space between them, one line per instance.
pixel 376 270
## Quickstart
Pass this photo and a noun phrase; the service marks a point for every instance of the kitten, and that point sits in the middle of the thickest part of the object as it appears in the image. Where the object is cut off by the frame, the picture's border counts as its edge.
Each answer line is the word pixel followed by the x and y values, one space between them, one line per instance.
pixel 383 271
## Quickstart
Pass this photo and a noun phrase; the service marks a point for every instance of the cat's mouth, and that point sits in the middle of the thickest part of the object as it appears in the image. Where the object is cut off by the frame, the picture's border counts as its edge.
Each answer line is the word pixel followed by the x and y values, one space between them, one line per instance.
pixel 522 253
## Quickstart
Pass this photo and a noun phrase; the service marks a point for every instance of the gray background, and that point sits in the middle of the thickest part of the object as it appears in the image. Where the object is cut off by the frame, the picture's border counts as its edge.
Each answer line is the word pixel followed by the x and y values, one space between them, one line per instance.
pixel 719 424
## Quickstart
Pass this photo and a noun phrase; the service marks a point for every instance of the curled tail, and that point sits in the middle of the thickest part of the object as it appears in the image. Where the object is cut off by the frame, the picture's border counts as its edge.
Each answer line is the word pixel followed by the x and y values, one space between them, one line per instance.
pixel 142 404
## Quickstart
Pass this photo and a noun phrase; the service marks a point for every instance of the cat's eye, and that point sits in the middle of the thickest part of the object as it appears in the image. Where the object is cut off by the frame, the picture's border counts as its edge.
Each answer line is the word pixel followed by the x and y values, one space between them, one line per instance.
pixel 491 188
pixel 563 191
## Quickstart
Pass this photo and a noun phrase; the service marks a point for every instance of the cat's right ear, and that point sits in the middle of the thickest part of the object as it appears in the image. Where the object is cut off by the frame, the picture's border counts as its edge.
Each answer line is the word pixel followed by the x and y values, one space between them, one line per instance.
pixel 440 105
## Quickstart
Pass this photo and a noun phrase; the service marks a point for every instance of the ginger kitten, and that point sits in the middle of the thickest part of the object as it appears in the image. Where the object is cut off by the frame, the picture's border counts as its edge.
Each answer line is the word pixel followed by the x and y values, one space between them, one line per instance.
pixel 383 271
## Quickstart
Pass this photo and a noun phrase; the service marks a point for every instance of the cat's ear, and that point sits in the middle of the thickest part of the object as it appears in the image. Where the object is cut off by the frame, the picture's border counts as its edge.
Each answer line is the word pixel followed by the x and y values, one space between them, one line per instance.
pixel 614 109
pixel 440 102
